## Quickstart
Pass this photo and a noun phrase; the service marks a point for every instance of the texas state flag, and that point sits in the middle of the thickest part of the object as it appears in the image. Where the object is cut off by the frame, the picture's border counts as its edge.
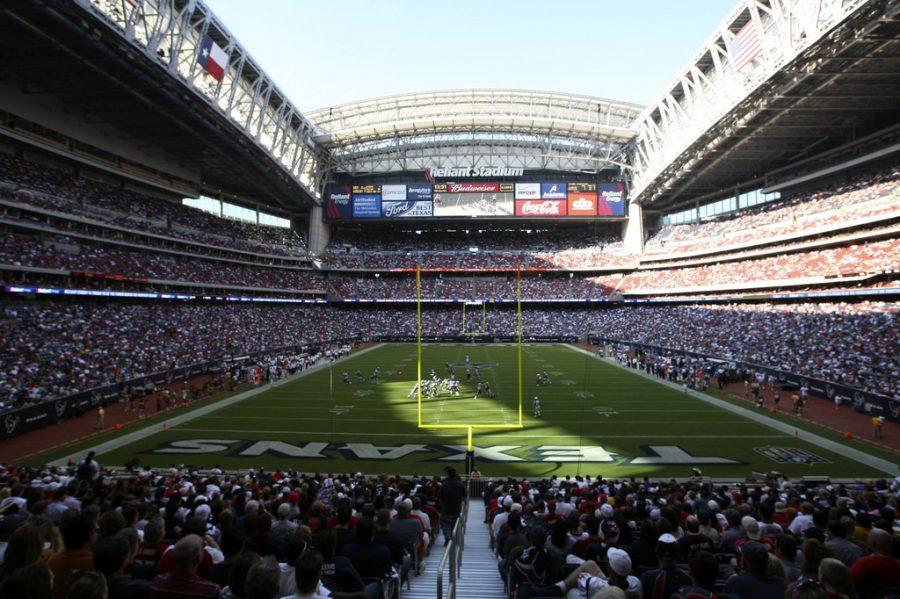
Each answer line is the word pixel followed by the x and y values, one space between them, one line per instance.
pixel 213 58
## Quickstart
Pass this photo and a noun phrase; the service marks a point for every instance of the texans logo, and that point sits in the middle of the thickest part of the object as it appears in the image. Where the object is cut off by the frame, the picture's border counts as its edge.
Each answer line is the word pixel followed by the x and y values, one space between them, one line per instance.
pixel 60 408
pixel 11 423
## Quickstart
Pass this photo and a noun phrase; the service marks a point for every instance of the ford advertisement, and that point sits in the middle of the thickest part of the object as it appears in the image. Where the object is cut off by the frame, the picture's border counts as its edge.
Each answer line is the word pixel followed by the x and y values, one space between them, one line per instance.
pixel 366 205
pixel 406 209
pixel 611 200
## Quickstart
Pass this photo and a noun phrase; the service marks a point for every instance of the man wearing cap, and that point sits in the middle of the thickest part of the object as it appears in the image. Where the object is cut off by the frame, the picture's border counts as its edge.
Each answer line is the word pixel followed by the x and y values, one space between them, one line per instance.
pixel 661 582
pixel 589 578
pixel 753 582
pixel 704 568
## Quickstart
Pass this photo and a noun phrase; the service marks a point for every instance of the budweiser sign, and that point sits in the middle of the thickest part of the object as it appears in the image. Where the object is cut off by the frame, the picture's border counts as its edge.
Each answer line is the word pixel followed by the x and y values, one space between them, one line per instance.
pixel 541 208
pixel 473 187
pixel 472 171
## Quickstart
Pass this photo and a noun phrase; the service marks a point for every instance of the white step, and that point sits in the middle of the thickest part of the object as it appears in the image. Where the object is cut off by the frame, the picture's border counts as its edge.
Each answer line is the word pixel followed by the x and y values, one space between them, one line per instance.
pixel 479 578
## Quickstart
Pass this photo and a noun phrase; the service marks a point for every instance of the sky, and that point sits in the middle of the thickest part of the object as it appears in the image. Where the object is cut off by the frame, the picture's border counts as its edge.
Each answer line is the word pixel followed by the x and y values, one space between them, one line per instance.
pixel 326 52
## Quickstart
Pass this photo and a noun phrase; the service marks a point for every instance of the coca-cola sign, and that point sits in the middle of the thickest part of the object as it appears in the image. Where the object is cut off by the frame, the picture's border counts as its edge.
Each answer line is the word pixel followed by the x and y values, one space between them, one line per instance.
pixel 541 208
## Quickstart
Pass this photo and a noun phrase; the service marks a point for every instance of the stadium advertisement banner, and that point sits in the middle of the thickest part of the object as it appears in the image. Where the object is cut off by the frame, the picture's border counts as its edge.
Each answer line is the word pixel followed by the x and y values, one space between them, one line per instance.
pixel 473 187
pixel 366 205
pixel 419 191
pixel 553 191
pixel 338 202
pixel 406 209
pixel 582 203
pixel 391 193
pixel 582 187
pixel 611 199
pixel 473 204
pixel 528 191
pixel 541 208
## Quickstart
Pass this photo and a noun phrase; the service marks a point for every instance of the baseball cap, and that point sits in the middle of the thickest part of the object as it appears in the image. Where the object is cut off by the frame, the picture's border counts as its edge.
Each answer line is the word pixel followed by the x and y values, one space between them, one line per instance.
pixel 609 530
pixel 751 527
pixel 754 553
pixel 667 546
pixel 619 562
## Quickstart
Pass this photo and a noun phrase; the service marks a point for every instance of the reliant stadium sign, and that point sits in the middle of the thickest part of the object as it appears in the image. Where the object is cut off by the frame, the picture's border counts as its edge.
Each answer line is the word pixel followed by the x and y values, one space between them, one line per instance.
pixel 473 171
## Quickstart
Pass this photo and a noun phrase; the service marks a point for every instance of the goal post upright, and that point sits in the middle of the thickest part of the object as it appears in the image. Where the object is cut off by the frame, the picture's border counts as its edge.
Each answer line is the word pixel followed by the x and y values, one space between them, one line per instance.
pixel 419 341
pixel 519 333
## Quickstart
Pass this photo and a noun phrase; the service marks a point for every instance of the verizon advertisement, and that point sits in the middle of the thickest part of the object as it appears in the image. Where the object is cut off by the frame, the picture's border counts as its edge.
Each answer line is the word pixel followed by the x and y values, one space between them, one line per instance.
pixel 582 203
pixel 541 208
pixel 473 204
pixel 528 191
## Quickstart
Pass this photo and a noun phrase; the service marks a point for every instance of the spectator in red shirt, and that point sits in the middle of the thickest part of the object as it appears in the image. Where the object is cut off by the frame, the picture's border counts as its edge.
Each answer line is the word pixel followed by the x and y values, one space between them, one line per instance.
pixel 184 583
pixel 879 569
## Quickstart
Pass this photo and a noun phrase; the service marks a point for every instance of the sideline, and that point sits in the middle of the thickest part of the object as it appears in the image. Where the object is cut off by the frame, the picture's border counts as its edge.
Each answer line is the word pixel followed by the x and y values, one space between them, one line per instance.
pixel 792 431
pixel 128 438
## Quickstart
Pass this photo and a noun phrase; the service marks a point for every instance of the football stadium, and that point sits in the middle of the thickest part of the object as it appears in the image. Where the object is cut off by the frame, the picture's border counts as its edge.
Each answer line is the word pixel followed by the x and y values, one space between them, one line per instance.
pixel 470 342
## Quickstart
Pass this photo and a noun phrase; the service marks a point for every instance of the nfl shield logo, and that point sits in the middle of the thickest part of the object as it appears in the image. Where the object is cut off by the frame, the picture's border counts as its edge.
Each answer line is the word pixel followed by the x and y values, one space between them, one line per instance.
pixel 790 455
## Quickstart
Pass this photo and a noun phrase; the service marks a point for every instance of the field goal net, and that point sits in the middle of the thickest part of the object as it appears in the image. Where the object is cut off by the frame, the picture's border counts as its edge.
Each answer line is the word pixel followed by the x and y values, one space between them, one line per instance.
pixel 474 318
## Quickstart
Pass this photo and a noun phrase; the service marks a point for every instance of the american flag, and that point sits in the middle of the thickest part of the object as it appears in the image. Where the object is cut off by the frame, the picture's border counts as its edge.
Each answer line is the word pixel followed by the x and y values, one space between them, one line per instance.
pixel 746 45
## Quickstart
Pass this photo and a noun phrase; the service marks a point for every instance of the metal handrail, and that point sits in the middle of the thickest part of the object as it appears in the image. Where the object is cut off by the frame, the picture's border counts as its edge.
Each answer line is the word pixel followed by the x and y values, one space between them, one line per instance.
pixel 454 550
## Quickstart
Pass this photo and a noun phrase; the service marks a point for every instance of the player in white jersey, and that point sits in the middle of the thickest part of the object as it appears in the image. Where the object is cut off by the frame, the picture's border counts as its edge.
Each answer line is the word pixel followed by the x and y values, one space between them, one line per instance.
pixel 537 406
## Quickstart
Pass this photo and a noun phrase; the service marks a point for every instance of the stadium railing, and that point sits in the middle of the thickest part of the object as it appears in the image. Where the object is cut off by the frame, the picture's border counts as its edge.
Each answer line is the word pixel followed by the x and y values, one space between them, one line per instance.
pixel 454 550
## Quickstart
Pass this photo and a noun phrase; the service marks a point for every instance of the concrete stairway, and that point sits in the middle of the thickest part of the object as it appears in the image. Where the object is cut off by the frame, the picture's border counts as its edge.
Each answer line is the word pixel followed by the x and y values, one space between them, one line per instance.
pixel 478 579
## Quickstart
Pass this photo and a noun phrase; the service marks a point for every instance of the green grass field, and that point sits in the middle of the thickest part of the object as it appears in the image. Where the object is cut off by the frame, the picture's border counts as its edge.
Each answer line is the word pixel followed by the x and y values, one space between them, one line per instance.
pixel 597 419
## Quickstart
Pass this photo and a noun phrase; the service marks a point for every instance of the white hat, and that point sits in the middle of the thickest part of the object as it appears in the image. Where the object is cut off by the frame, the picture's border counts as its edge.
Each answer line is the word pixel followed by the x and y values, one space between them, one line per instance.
pixel 654 514
pixel 619 562
pixel 516 507
pixel 507 501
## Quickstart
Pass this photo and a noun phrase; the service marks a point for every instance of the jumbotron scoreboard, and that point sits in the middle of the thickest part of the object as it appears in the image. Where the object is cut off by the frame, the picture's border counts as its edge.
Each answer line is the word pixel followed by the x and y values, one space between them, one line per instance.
pixel 476 199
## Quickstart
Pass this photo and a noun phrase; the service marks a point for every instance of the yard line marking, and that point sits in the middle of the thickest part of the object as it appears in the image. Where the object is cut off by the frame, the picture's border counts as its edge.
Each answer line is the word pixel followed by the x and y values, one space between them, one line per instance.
pixel 790 430
pixel 501 432
pixel 440 414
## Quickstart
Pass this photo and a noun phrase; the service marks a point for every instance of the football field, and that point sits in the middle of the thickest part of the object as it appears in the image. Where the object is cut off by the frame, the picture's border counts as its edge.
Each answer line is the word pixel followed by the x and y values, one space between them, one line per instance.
pixel 597 418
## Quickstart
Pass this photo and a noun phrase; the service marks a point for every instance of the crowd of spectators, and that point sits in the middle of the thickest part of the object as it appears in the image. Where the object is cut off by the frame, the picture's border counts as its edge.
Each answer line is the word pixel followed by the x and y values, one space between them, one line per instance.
pixel 64 253
pixel 79 532
pixel 533 287
pixel 854 344
pixel 869 195
pixel 865 258
pixel 50 350
pixel 563 249
pixel 65 191
pixel 582 537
